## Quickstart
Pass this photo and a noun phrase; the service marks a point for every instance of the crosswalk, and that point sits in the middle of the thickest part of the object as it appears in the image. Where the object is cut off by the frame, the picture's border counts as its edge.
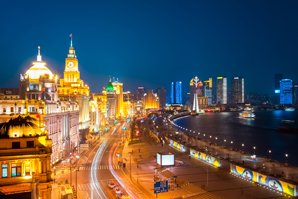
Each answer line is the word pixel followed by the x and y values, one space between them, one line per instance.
pixel 99 167
pixel 84 187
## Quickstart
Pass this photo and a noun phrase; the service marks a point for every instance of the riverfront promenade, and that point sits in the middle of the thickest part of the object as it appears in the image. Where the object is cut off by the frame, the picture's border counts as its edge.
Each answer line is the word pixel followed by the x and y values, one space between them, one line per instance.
pixel 195 179
pixel 229 154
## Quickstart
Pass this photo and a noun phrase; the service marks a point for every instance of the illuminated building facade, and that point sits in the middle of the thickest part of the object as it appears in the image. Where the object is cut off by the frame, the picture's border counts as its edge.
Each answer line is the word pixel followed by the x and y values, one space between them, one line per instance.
pixel 118 87
pixel 25 155
pixel 286 95
pixel 74 89
pixel 176 92
pixel 111 106
pixel 151 100
pixel 101 100
pixel 237 90
pixel 94 116
pixel 208 90
pixel 39 98
pixel 221 90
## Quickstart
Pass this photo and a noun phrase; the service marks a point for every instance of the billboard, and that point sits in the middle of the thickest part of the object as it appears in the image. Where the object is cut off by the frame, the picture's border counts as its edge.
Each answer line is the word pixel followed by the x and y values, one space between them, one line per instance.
pixel 270 182
pixel 177 146
pixel 165 159
pixel 205 157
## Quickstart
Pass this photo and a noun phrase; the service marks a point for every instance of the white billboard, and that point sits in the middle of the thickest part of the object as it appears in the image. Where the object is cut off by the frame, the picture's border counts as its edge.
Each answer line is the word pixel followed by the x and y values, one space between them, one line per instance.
pixel 165 159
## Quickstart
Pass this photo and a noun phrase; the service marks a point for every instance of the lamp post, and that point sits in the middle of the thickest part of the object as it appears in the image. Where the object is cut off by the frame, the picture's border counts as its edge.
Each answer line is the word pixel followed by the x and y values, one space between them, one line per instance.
pixel 70 174
pixel 286 155
pixel 269 151
pixel 254 150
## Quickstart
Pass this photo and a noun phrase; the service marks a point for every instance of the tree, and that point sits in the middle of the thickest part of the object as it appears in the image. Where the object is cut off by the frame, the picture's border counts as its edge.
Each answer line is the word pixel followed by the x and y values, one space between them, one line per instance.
pixel 20 121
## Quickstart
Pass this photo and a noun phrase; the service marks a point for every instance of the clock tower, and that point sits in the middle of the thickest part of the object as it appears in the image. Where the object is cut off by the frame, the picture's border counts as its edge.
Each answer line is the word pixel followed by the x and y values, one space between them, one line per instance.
pixel 71 72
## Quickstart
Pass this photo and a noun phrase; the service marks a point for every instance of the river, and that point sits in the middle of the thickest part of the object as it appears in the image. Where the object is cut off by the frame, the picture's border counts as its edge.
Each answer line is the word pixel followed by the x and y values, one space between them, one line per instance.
pixel 260 132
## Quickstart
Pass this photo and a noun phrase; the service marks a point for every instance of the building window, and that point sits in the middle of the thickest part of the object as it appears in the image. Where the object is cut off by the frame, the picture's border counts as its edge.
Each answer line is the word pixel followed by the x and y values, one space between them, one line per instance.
pixel 16 145
pixel 11 110
pixel 20 109
pixel 27 170
pixel 30 144
pixel 16 170
pixel 4 170
pixel 4 110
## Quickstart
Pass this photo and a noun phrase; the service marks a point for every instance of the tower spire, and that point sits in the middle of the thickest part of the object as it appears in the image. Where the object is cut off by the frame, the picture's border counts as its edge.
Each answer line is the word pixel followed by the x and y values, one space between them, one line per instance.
pixel 38 54
pixel 70 39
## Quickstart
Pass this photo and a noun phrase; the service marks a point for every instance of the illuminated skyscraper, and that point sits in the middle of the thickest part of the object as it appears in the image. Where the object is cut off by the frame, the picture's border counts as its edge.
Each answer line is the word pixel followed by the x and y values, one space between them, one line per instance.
pixel 286 95
pixel 221 97
pixel 208 90
pixel 237 90
pixel 176 92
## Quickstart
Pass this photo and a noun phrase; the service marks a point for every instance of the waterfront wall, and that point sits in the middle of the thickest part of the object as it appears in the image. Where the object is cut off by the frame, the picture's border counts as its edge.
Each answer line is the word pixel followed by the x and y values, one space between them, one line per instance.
pixel 264 180
pixel 205 158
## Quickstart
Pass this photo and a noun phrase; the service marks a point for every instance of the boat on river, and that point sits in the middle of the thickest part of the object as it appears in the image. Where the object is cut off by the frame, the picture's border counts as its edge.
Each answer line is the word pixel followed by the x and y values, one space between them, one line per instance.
pixel 247 114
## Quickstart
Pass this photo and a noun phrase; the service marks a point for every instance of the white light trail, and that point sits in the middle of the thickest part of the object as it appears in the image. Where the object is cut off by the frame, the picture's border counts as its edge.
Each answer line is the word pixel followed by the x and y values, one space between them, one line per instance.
pixel 94 181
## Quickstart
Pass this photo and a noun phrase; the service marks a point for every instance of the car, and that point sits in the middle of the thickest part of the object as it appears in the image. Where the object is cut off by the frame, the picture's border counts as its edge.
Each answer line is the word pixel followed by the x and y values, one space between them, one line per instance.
pixel 111 184
pixel 118 191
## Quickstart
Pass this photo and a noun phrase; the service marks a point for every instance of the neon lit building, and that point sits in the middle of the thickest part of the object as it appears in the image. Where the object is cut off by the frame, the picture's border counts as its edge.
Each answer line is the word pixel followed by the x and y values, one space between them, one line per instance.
pixel 176 92
pixel 221 92
pixel 286 93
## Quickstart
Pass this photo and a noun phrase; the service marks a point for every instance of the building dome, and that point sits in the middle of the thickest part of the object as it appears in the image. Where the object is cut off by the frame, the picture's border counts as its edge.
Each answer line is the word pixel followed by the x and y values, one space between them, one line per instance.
pixel 110 87
pixel 38 69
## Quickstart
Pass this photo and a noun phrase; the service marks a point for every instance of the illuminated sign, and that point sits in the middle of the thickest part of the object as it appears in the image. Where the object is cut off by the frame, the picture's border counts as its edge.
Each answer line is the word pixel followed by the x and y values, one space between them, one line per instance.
pixel 205 157
pixel 177 146
pixel 270 182
pixel 277 91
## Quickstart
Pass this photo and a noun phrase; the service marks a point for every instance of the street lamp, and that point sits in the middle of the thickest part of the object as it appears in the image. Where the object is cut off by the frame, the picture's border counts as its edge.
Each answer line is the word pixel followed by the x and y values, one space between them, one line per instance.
pixel 254 150
pixel 286 155
pixel 269 151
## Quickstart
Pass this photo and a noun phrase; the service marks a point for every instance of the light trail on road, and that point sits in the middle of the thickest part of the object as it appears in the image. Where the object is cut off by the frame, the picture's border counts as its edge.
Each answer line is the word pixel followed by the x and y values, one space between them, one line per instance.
pixel 130 193
pixel 97 158
pixel 94 181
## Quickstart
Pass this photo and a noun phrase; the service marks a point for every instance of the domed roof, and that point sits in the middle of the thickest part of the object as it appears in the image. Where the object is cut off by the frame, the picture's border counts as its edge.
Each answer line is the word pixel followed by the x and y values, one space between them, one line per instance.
pixel 110 87
pixel 38 68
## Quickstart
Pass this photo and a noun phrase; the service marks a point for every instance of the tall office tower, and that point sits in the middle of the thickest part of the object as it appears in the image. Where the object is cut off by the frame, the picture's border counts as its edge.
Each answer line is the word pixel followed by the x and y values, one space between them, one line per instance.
pixel 140 93
pixel 162 95
pixel 286 95
pixel 295 94
pixel 208 90
pixel 221 94
pixel 176 92
pixel 237 90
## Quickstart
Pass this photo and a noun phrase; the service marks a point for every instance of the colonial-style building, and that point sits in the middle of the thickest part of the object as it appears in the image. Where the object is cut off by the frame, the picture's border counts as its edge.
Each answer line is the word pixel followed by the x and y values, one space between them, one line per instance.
pixel 25 155
pixel 72 88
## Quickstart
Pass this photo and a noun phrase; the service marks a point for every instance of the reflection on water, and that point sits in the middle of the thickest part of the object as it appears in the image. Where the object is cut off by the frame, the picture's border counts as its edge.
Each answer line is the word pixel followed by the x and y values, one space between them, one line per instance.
pixel 260 132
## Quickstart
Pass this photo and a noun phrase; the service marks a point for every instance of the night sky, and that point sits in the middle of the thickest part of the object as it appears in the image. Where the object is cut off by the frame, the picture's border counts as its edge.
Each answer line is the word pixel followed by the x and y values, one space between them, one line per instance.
pixel 152 43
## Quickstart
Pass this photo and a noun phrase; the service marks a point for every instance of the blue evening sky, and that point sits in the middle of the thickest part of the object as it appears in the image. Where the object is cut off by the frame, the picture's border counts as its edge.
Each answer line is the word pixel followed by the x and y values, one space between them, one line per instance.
pixel 152 43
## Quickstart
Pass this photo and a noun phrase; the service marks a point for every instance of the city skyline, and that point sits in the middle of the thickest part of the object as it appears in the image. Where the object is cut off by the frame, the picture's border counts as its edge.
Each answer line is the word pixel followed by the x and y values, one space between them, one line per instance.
pixel 178 41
